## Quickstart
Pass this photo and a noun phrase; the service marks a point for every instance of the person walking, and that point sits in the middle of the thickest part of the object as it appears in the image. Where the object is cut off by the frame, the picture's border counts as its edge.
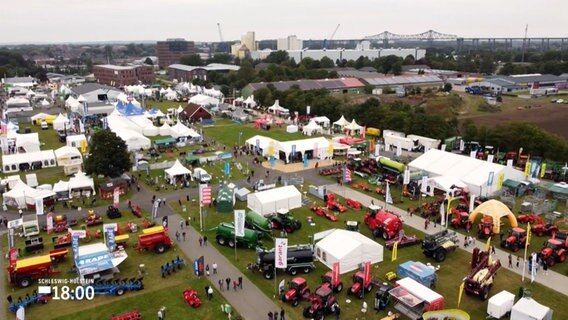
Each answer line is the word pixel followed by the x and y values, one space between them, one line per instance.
pixel 205 241
pixel 465 241
pixel 282 314
pixel 210 293
pixel 235 285
pixel 200 242
pixel 492 250
pixel 177 235
pixel 228 281
pixel 510 260
pixel 220 284
pixel 207 269
pixel 183 235
pixel 425 224
pixel 181 224
pixel 270 315
pixel 545 267
pixel 240 282
pixel 214 265
pixel 518 261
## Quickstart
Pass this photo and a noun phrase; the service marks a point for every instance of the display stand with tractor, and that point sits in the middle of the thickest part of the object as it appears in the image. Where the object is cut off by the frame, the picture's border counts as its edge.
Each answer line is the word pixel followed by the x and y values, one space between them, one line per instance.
pixel 353 204
pixel 516 240
pixel 383 223
pixel 117 287
pixel 300 258
pixel 61 223
pixel 361 286
pixel 542 228
pixel 155 238
pixel 382 296
pixel 132 315
pixel 61 241
pixel 190 296
pixel 485 228
pixel 297 291
pixel 27 301
pixel 404 241
pixel 321 303
pixel 440 244
pixel 482 275
pixel 93 219
pixel 322 212
pixel 113 212
pixel 333 204
pixel 529 218
pixel 225 236
pixel 282 220
pixel 554 251
pixel 336 286
pixel 461 219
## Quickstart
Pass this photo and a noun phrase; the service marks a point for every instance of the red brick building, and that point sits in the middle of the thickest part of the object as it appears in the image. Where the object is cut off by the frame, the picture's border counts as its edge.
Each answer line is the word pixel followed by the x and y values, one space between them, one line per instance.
pixel 119 76
pixel 171 50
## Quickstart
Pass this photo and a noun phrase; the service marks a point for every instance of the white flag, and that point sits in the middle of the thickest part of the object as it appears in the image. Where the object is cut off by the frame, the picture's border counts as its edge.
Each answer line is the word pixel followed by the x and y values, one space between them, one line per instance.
pixel 510 163
pixel 490 158
pixel 442 214
pixel 533 267
pixel 398 150
pixel 388 197
pixel 406 177
pixel 377 150
pixel 240 223
pixel 471 203
pixel 424 185
pixel 281 253
pixel 462 145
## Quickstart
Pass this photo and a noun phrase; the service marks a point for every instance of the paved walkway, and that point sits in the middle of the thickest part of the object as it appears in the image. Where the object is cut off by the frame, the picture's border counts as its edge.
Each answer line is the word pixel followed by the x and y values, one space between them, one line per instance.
pixel 553 280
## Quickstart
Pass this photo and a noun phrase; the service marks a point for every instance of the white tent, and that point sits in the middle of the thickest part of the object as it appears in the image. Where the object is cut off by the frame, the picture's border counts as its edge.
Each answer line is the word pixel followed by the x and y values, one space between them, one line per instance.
pixel 170 94
pixel 269 201
pixel 68 156
pixel 322 121
pixel 39 116
pixel 529 309
pixel 153 113
pixel 61 190
pixel 286 147
pixel 81 99
pixel 165 129
pixel 291 128
pixel 179 110
pixel 12 162
pixel 176 170
pixel 249 102
pixel 44 103
pixel 75 140
pixel 204 100
pixel 342 122
pixel 444 183
pixel 29 142
pixel 134 140
pixel 72 104
pixel 353 126
pixel 481 177
pixel 276 108
pixel 181 130
pixel 81 184
pixel 348 248
pixel 22 194
pixel 61 123
pixel 312 128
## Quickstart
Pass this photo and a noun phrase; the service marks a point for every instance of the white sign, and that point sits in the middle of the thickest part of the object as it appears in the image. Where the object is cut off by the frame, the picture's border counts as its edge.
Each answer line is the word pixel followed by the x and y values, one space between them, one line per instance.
pixel 49 221
pixel 308 109
pixel 510 163
pixel 472 154
pixel 39 206
pixel 12 224
pixel 424 185
pixel 398 150
pixel 471 202
pixel 377 150
pixel 112 226
pixel 281 250
pixel 116 197
pixel 240 223
pixel 79 233
pixel 443 147
pixel 442 214
pixel 490 158
pixel 406 177
pixel 462 145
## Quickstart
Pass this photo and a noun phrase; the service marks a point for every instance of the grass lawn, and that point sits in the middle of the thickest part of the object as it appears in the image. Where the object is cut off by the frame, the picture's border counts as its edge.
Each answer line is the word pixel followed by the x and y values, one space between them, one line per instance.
pixel 157 291
pixel 452 271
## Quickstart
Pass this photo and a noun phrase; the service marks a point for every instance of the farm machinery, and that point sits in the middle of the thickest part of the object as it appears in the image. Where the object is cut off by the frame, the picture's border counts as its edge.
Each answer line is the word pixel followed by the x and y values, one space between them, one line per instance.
pixel 117 287
pixel 333 204
pixel 431 209
pixel 113 212
pixel 361 186
pixel 367 166
pixel 61 223
pixel 62 241
pixel 554 251
pixel 335 284
pixel 383 223
pixel 404 241
pixel 439 245
pixel 461 219
pixel 322 212
pixel 300 258
pixel 256 221
pixel 136 210
pixel 529 218
pixel 322 302
pixel 482 275
pixel 517 239
pixel 362 284
pixel 330 171
pixel 131 315
pixel 27 301
pixel 225 236
pixel 283 220
pixel 353 204
pixel 297 290
pixel 155 238
pixel 93 219
pixel 485 228
pixel 190 296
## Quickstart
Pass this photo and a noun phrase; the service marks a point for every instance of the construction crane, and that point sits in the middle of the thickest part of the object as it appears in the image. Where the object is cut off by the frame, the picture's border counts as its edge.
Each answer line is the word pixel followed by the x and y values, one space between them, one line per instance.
pixel 222 45
pixel 325 41
pixel 220 33
pixel 524 43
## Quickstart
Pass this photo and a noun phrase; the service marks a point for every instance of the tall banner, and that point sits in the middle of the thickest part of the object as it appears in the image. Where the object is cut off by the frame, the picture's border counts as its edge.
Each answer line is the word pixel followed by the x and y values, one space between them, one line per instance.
pixel 110 239
pixel 472 154
pixel 335 272
pixel 462 145
pixel 443 148
pixel 388 196
pixel 330 150
pixel 424 184
pixel 510 163
pixel 257 145
pixel 364 132
pixel 308 110
pixel 39 206
pixel 227 170
pixel 406 179
pixel 13 255
pixel 305 160
pixel 83 146
pixel 398 150
pixel 394 255
pixel 471 203
pixel 533 267
pixel 527 168
pixel 272 162
pixel 460 293
pixel 346 174
pixel 75 245
pixel 281 249
pixel 371 145
pixel 490 178
pixel 116 197
pixel 367 272
pixel 542 169
pixel 205 194
pixel 316 153
pixel 377 150
pixel 488 245
pixel 49 222
pixel 293 153
pixel 442 214
pixel 240 223
pixel 271 148
pixel 500 180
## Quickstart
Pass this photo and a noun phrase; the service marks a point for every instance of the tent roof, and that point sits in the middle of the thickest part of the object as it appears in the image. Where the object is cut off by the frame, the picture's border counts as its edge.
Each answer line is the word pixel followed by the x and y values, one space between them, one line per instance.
pixel 17 158
pixel 418 290
pixel 177 169
pixel 21 189
pixel 323 119
pixel 561 187
pixel 312 125
pixel 271 195
pixel 61 186
pixel 80 180
pixel 342 122
pixel 67 151
pixel 445 182
pixel 181 130
pixel 76 137
pixel 353 126
pixel 531 307
pixel 61 119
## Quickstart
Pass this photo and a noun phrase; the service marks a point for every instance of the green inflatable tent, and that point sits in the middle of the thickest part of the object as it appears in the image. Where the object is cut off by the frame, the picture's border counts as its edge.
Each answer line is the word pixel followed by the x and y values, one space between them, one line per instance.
pixel 225 199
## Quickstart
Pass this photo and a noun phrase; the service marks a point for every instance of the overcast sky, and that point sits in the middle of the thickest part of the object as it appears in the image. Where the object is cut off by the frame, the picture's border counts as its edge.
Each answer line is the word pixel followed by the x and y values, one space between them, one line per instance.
pixel 32 21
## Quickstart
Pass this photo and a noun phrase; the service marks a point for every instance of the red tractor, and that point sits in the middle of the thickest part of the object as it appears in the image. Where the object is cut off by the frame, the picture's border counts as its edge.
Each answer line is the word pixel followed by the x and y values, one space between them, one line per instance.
pixel 322 302
pixel 485 228
pixel 543 229
pixel 61 223
pixel 327 279
pixel 529 218
pixel 383 223
pixel 332 204
pixel 93 219
pixel 517 239
pixel 322 212
pixel 554 251
pixel 297 290
pixel 460 220
pixel 360 286
pixel 354 204
pixel 190 296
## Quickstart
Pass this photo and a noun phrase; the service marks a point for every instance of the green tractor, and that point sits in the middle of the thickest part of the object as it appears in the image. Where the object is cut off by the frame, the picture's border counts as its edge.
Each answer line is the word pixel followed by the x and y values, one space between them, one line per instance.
pixel 258 222
pixel 225 236
pixel 284 221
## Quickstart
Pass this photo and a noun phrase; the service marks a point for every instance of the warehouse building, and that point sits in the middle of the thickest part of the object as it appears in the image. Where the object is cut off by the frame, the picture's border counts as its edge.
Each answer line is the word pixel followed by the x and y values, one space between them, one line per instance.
pixel 342 85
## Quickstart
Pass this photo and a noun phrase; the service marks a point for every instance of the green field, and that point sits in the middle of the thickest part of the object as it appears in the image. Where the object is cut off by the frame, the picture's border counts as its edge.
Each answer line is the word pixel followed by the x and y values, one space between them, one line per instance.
pixel 157 291
pixel 451 273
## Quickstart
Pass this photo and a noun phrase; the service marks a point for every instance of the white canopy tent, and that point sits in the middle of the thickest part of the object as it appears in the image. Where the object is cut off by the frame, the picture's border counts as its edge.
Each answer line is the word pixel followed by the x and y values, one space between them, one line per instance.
pixel 75 140
pixel 164 130
pixel 68 156
pixel 204 100
pixel 322 121
pixel 291 128
pixel 312 128
pixel 181 130
pixel 529 309
pixel 61 123
pixel 277 109
pixel 44 103
pixel 353 127
pixel 310 144
pixel 153 113
pixel 134 140
pixel 81 184
pixel 444 183
pixel 176 170
pixel 21 195
pixel 72 104
pixel 348 248
pixel 481 177
pixel 341 123
pixel 29 142
pixel 12 162
pixel 249 102
pixel 269 201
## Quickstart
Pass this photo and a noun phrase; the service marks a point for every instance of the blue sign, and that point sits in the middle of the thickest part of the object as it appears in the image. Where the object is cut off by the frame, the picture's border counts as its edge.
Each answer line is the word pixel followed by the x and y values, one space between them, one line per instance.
pixel 257 145
pixel 305 160
pixel 227 168
pixel 75 244
pixel 272 161
pixel 110 238
pixel 293 151
pixel 94 262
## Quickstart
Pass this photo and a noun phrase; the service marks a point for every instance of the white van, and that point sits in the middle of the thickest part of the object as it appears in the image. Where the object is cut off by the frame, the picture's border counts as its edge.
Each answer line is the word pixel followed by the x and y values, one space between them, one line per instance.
pixel 201 175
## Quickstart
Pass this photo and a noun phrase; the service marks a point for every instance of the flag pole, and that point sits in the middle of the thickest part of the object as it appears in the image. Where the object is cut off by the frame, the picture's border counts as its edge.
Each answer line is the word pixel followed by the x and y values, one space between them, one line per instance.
pixel 525 255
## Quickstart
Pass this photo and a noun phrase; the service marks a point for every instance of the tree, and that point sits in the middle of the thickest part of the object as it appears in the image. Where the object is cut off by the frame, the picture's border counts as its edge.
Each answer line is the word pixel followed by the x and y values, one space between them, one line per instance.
pixel 108 155
pixel 447 87
pixel 327 62
pixel 149 61
pixel 191 60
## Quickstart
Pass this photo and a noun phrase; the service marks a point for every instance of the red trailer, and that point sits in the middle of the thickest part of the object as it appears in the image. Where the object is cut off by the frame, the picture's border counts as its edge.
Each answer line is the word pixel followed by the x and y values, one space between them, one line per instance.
pixel 155 238
pixel 23 272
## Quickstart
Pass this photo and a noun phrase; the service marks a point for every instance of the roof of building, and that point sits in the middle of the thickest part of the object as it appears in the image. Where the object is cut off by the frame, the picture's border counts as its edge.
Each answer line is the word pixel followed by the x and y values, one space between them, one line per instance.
pixel 191 109
pixel 306 85
pixel 19 79
pixel 529 78
pixel 114 67
pixel 358 74
pixel 209 67
pixel 403 80
pixel 90 87
pixel 415 66
pixel 505 84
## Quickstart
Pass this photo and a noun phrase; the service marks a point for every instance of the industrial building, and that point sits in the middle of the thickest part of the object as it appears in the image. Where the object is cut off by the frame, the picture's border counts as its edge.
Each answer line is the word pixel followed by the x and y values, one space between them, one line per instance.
pixel 405 81
pixel 171 50
pixel 246 46
pixel 119 76
pixel 342 85
pixel 521 82
pixel 183 72
pixel 289 43
pixel 344 54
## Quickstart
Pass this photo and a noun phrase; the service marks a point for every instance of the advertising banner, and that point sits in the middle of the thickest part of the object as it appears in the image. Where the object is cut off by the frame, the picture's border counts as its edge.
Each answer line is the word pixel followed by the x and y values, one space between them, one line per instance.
pixel 49 222
pixel 240 223
pixel 205 194
pixel 335 272
pixel 367 271
pixel 281 249
pixel 406 179
pixel 116 197
pixel 39 206
pixel 110 239
pixel 75 246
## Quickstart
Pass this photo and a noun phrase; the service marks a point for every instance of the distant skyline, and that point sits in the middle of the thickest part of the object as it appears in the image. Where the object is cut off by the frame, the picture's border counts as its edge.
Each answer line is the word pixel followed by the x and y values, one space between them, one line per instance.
pixel 65 21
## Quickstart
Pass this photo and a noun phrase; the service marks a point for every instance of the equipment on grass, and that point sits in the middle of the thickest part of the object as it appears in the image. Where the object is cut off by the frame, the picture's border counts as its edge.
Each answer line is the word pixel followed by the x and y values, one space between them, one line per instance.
pixel 383 223
pixel 300 257
pixel 93 219
pixel 404 241
pixel 485 228
pixel 283 220
pixel 440 244
pixel 297 290
pixel 113 213
pixel 322 212
pixel 322 302
pixel 225 236
pixel 332 204
pixel 327 278
pixel 132 315
pixel 480 279
pixel 155 238
pixel 516 240
pixel 190 296
pixel 27 301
